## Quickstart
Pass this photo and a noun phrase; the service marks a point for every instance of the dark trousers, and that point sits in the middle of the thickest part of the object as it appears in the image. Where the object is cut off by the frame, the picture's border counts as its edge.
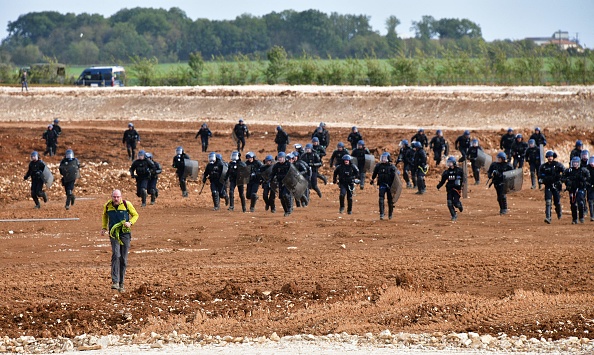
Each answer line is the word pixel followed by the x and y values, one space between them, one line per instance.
pixel 577 199
pixel 453 200
pixel 36 189
pixel 119 258
pixel 142 188
pixel 204 144
pixel 240 143
pixel 131 148
pixel 240 189
pixel 384 190
pixel 501 196
pixel 269 195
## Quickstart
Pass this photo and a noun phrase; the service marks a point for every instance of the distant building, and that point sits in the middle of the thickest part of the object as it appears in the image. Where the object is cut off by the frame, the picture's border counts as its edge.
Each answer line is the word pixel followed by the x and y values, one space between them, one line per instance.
pixel 559 38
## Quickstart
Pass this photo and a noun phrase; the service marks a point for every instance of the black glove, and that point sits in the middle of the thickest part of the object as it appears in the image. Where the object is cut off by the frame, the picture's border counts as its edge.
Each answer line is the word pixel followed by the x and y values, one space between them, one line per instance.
pixel 133 176
pixel 25 178
pixel 204 181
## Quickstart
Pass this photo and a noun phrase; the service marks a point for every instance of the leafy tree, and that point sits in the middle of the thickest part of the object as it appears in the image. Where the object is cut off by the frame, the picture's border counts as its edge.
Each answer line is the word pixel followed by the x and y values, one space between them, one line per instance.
pixel 144 69
pixel 404 70
pixel 394 44
pixel 424 29
pixel 83 52
pixel 456 29
pixel 196 64
pixel 27 55
pixel 277 64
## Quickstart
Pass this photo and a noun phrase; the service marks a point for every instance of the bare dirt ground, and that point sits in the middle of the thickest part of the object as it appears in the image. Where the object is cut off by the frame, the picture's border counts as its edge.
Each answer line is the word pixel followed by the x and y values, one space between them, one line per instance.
pixel 317 271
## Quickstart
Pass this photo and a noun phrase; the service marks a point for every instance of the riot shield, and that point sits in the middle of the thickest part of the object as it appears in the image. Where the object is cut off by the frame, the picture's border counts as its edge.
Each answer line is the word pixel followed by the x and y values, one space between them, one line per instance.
pixel 191 169
pixel 542 153
pixel 483 160
pixel 70 170
pixel 243 173
pixel 234 137
pixel 223 177
pixel 369 163
pixel 396 188
pixel 513 180
pixel 354 161
pixel 265 174
pixel 295 182
pixel 47 177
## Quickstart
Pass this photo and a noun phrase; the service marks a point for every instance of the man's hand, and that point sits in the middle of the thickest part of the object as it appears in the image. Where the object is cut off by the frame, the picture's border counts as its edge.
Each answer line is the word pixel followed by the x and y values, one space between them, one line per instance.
pixel 128 224
pixel 103 232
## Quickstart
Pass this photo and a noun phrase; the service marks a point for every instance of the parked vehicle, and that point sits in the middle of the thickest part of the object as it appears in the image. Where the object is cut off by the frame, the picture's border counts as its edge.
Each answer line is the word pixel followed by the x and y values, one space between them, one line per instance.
pixel 102 76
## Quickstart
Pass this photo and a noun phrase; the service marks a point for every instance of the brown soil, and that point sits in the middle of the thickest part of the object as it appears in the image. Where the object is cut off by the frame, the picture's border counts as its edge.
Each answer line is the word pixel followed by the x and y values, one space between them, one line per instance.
pixel 195 270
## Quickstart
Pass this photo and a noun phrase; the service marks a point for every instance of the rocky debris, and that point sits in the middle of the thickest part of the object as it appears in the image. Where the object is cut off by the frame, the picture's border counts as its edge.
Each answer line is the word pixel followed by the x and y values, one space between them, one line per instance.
pixel 385 339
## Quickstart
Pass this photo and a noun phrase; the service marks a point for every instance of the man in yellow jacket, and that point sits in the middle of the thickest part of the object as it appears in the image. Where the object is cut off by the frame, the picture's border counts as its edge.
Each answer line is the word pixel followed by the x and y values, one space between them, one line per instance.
pixel 117 220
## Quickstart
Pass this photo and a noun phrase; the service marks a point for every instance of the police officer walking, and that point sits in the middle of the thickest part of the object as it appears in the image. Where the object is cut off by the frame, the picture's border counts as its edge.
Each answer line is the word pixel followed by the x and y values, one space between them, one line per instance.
pixel 453 178
pixel 241 132
pixel 421 138
pixel 320 150
pixel 354 137
pixel 180 166
pixel 35 171
pixel 281 139
pixel 234 165
pixel 577 151
pixel 506 142
pixel 346 176
pixel 550 175
pixel 314 162
pixel 462 144
pixel 439 146
pixel 305 171
pixel 519 151
pixel 406 156
pixel 51 141
pixel 57 127
pixel 576 179
pixel 141 171
pixel 279 171
pixel 69 169
pixel 360 153
pixel 495 173
pixel 214 173
pixel 421 167
pixel 268 186
pixel 131 138
pixel 472 156
pixel 204 133
pixel 539 137
pixel 254 166
pixel 533 159
pixel 590 188
pixel 337 154
pixel 385 173
pixel 155 171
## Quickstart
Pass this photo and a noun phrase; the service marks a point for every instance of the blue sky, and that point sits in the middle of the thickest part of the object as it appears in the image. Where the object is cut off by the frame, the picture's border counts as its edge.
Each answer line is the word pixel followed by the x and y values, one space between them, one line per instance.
pixel 499 19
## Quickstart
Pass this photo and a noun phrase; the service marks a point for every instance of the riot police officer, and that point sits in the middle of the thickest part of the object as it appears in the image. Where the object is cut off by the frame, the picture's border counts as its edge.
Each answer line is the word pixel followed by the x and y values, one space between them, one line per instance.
pixel 204 133
pixel 69 169
pixel 590 188
pixel 305 171
pixel 241 132
pixel 360 153
pixel 180 165
pixel 420 166
pixel 539 137
pixel 279 171
pixel 57 127
pixel 576 179
pixel 518 150
pixel 346 175
pixel 577 150
pixel 337 154
pixel 254 166
pixel 131 137
pixel 155 171
pixel 421 138
pixel 354 137
pixel 320 150
pixel 232 175
pixel 472 156
pixel 584 156
pixel 453 178
pixel 406 156
pixel 533 159
pixel 215 173
pixel 506 142
pixel 385 173
pixel 35 171
pixel 141 171
pixel 462 144
pixel 439 146
pixel 495 174
pixel 281 139
pixel 51 141
pixel 550 175
pixel 268 186
pixel 314 162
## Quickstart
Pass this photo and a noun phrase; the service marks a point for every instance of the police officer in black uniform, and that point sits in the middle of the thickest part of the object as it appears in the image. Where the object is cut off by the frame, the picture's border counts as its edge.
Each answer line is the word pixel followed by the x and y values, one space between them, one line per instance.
pixel 57 127
pixel 320 150
pixel 354 137
pixel 51 141
pixel 539 137
pixel 131 137
pixel 360 153
pixel 214 171
pixel 495 173
pixel 180 165
pixel 155 171
pixel 590 188
pixel 346 175
pixel 439 146
pixel 69 167
pixel 268 186
pixel 141 171
pixel 532 157
pixel 312 159
pixel 204 133
pixel 472 156
pixel 35 171
pixel 385 173
pixel 320 136
pixel 577 151
pixel 406 156
pixel 420 166
pixel 421 138
pixel 519 151
pixel 303 170
pixel 506 142
pixel 234 164
pixel 453 178
pixel 337 154
pixel 281 139
pixel 254 166
pixel 550 175
pixel 576 179
pixel 462 144
pixel 279 171
pixel 241 132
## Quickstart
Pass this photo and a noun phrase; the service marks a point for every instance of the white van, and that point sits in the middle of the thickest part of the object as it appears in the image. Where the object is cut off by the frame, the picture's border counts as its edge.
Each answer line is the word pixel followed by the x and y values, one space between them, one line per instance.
pixel 102 76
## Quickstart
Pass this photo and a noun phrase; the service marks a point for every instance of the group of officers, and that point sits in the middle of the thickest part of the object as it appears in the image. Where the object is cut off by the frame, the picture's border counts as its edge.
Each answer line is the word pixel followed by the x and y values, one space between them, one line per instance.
pixel 290 176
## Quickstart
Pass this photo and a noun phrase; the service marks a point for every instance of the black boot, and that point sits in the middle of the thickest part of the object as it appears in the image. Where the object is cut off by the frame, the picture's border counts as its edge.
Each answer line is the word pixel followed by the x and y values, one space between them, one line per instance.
pixel 153 197
pixel 243 209
pixel 350 206
pixel 43 196
pixel 216 202
pixel 390 211
pixel 143 196
pixel 67 202
pixel 317 189
pixel 548 212
pixel 72 198
pixel 253 203
pixel 381 208
pixel 559 211
pixel 341 200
